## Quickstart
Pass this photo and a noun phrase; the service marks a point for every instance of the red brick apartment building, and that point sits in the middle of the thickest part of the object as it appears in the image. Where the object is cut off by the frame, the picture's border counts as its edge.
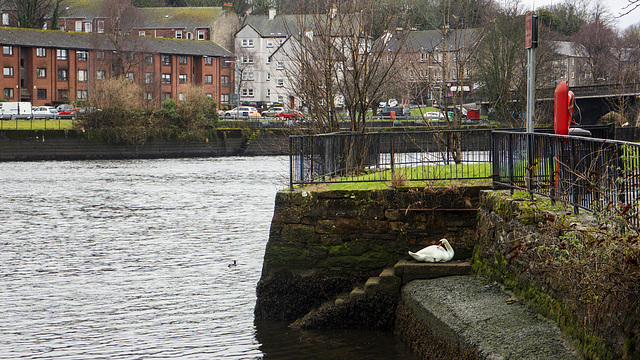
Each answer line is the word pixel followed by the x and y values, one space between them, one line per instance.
pixel 52 67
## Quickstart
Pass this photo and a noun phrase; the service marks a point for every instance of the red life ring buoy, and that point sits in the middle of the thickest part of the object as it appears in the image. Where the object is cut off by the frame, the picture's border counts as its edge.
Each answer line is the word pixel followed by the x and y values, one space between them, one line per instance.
pixel 562 109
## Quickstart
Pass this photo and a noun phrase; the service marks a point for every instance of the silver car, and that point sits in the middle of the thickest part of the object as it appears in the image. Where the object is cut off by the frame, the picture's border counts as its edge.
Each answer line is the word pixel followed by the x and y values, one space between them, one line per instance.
pixel 44 112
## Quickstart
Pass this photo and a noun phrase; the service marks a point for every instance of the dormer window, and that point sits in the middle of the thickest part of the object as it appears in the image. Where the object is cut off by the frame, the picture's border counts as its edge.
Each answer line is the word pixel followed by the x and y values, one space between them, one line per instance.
pixel 178 34
pixel 247 42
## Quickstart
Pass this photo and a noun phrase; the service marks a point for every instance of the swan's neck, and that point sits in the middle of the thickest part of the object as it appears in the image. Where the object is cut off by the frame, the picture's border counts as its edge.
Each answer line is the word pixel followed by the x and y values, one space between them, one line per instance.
pixel 447 246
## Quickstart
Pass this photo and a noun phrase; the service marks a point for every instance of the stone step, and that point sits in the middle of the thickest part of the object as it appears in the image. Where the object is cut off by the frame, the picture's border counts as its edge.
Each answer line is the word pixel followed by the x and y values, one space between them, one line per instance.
pixel 357 292
pixel 408 270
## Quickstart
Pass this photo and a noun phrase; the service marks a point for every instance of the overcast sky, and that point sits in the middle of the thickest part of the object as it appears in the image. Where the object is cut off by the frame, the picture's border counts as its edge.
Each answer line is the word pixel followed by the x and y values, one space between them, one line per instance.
pixel 616 7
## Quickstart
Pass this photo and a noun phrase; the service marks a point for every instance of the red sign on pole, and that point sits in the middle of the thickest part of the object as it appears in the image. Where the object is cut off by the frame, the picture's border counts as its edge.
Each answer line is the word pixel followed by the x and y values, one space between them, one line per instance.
pixel 528 30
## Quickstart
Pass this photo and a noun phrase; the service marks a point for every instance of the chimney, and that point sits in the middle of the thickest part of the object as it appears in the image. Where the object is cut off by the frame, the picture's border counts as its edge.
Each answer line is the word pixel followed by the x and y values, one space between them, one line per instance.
pixel 272 13
pixel 227 6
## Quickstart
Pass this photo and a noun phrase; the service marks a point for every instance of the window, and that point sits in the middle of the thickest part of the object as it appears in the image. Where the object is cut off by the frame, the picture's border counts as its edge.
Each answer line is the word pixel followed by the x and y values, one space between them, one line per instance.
pixel 62 74
pixel 61 54
pixel 268 92
pixel 280 99
pixel 268 76
pixel 189 35
pixel 100 55
pixel 130 76
pixel 201 35
pixel 224 80
pixel 247 59
pixel 148 78
pixel 224 98
pixel 63 95
pixel 166 95
pixel 100 74
pixel 87 27
pixel 166 79
pixel 7 50
pixel 208 60
pixel 78 25
pixel 247 75
pixel 269 43
pixel 42 93
pixel 42 73
pixel 227 63
pixel 182 78
pixel 247 42
pixel 182 97
pixel 100 26
pixel 83 94
pixel 280 82
pixel 280 65
pixel 8 71
pixel 8 93
pixel 210 95
pixel 5 18
pixel 178 34
pixel 208 79
pixel 148 95
pixel 41 52
pixel 182 60
pixel 166 60
pixel 142 33
pixel 247 92
pixel 82 55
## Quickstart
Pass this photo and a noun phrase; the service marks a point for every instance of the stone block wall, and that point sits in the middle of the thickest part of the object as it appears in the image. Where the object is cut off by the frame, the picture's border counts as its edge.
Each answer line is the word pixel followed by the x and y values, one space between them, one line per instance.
pixel 323 243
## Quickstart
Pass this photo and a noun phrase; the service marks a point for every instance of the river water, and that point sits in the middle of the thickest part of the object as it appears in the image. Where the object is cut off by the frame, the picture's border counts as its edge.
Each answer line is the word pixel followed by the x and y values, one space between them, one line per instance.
pixel 130 260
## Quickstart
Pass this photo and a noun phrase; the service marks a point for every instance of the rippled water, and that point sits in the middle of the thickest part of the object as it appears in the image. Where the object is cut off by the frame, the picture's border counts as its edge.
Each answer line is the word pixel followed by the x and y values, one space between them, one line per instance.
pixel 130 260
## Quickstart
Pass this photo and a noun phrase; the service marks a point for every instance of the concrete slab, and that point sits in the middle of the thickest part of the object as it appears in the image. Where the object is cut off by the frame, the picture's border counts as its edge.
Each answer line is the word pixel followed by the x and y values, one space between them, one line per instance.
pixel 409 270
pixel 472 315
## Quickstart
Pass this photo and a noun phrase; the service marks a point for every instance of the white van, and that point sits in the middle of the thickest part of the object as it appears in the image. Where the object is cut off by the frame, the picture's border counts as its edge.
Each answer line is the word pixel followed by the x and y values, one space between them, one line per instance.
pixel 15 110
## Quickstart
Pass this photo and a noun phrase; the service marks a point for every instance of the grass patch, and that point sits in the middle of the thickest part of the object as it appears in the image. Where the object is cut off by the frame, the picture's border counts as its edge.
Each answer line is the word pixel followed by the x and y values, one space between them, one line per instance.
pixel 60 124
pixel 452 174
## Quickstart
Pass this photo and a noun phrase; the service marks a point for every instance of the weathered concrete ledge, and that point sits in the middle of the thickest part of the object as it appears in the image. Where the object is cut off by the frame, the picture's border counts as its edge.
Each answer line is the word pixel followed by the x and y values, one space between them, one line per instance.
pixel 481 321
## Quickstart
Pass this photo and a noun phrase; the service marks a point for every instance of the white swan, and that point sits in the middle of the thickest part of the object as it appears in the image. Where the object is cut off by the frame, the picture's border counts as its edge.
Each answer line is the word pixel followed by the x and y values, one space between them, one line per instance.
pixel 435 253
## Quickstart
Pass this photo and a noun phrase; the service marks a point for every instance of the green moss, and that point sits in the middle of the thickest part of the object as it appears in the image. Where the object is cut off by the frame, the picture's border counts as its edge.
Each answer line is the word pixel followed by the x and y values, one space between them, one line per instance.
pixel 496 269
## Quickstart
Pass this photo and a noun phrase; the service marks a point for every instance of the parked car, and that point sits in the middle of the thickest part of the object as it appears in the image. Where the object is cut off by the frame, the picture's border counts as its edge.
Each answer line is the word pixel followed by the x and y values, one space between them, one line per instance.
pixel 242 111
pixel 66 111
pixel 399 111
pixel 290 114
pixel 44 112
pixel 272 111
pixel 433 115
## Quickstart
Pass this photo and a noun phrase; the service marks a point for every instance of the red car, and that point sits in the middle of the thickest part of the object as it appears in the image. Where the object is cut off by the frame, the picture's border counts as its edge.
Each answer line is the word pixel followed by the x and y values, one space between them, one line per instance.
pixel 290 114
pixel 67 111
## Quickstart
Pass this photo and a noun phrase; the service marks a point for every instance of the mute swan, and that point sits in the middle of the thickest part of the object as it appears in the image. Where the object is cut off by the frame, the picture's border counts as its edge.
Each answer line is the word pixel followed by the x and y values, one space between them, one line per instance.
pixel 435 253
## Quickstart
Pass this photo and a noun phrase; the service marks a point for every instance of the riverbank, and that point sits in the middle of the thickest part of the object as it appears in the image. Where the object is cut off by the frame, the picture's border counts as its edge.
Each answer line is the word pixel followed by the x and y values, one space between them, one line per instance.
pixel 35 145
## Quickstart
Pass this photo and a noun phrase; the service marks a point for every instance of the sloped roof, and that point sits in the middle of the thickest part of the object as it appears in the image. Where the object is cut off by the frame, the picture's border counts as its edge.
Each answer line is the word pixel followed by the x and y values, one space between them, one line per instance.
pixel 87 41
pixel 187 17
pixel 154 17
pixel 272 28
pixel 433 40
pixel 285 25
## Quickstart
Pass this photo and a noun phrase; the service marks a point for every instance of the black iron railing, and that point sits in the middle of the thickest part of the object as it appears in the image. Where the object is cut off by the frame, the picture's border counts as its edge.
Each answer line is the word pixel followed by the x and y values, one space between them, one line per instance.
pixel 594 174
pixel 383 156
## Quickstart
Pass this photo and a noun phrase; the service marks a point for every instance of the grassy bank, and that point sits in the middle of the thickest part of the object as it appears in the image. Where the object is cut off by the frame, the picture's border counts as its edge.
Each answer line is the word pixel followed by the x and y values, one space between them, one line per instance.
pixel 58 124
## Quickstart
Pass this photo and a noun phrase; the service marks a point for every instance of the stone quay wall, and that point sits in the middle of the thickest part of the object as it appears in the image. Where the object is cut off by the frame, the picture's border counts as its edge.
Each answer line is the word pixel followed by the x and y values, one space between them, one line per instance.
pixel 577 270
pixel 322 244
pixel 36 145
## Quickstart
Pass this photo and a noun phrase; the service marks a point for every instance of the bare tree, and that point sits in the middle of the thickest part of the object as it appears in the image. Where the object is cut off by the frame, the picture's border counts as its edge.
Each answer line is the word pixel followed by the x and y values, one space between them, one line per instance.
pixel 594 42
pixel 341 54
pixel 35 13
pixel 123 19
